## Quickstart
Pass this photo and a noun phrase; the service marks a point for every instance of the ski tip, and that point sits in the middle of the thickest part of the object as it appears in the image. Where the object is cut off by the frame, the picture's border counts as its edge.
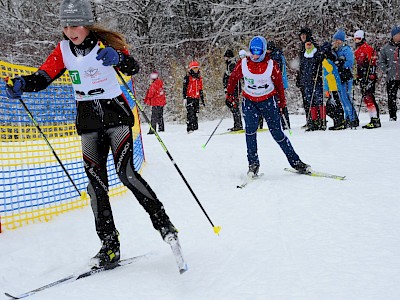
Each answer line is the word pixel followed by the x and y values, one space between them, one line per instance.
pixel 11 296
pixel 217 229
pixel 203 146
pixel 184 269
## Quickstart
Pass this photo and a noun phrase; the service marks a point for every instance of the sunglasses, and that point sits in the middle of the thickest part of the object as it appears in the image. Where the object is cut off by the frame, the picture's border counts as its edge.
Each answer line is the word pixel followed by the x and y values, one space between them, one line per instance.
pixel 256 51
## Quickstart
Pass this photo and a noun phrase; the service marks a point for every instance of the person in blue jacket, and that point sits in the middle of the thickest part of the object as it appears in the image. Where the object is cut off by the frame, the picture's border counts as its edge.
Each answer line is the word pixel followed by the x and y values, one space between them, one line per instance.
pixel 344 61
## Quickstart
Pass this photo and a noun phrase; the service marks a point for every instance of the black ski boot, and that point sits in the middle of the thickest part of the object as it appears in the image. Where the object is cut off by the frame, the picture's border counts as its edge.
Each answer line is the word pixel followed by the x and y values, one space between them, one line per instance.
pixel 354 124
pixel 253 170
pixel 235 128
pixel 375 123
pixel 338 126
pixel 301 167
pixel 164 226
pixel 109 254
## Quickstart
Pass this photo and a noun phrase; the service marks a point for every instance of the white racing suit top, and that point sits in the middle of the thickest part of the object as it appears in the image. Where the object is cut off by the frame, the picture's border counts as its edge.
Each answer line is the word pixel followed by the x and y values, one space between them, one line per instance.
pixel 257 85
pixel 90 79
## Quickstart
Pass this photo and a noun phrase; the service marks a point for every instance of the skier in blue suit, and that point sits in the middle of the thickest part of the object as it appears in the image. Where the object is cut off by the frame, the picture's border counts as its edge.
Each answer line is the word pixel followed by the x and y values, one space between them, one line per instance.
pixel 344 62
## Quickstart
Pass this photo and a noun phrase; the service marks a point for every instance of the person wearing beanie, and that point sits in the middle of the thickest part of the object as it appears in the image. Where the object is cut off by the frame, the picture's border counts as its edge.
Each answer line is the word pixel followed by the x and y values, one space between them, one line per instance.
pixel 340 35
pixel 155 97
pixel 389 63
pixel 344 61
pixel 263 94
pixel 104 118
pixel 304 33
pixel 366 61
pixel 193 95
pixel 311 81
pixel 235 110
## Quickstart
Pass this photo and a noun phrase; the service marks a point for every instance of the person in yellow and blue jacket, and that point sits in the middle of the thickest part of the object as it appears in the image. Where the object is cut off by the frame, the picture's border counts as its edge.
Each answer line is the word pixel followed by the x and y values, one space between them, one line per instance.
pixel 332 88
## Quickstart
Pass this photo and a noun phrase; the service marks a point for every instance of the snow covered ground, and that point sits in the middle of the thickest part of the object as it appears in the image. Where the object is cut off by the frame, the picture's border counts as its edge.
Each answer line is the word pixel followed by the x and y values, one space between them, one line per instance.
pixel 284 237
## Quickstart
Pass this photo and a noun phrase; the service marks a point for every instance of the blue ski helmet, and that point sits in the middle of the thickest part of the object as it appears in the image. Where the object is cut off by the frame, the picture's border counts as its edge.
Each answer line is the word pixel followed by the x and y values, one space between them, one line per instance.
pixel 258 46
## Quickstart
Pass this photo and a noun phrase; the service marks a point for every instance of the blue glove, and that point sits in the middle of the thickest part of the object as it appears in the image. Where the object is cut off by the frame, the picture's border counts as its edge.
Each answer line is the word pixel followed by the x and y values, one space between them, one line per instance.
pixel 15 90
pixel 109 56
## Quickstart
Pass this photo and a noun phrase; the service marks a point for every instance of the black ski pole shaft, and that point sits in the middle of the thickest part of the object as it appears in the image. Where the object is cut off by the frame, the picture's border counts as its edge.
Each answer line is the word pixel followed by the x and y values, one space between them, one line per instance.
pixel 286 122
pixel 217 229
pixel 10 83
pixel 219 123
pixel 50 146
pixel 312 95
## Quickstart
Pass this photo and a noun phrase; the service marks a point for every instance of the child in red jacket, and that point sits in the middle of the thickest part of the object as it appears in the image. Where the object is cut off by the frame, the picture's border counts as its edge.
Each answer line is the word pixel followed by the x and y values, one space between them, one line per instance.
pixel 155 97
pixel 193 95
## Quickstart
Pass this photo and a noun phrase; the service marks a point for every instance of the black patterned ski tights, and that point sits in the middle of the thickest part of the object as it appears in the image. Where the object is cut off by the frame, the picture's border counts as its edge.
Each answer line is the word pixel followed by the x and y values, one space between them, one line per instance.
pixel 95 148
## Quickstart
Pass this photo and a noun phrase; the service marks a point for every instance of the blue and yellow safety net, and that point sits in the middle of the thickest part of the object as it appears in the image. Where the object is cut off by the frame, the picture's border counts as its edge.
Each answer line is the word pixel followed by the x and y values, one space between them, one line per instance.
pixel 33 185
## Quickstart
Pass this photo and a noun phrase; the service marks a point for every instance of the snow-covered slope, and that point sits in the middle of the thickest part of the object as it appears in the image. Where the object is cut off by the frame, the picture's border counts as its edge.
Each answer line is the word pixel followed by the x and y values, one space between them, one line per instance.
pixel 284 236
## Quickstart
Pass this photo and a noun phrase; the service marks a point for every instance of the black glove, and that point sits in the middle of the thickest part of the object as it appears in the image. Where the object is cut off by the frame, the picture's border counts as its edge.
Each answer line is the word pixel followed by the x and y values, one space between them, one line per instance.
pixel 230 101
pixel 15 88
pixel 339 62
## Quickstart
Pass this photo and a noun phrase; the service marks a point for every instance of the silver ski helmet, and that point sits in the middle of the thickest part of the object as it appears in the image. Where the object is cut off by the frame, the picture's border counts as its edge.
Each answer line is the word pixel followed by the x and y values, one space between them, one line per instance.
pixel 76 13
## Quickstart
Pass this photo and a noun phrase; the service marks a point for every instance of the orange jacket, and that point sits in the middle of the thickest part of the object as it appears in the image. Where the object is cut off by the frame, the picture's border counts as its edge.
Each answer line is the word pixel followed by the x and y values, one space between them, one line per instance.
pixel 155 95
pixel 192 87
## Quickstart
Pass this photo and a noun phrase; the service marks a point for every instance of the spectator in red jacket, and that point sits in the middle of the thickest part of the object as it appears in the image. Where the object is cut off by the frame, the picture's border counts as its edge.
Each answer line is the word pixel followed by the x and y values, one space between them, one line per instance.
pixel 263 95
pixel 193 95
pixel 155 97
pixel 366 60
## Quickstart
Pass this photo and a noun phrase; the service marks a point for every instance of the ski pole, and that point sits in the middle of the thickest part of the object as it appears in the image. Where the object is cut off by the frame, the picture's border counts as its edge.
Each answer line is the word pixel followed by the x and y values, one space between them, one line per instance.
pixel 220 121
pixel 217 229
pixel 286 123
pixel 313 92
pixel 10 83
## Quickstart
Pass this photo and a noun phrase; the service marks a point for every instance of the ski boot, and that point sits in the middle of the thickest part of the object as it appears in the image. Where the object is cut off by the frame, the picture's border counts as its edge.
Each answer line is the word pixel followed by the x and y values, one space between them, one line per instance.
pixel 109 254
pixel 163 225
pixel 301 167
pixel 338 126
pixel 354 124
pixel 375 123
pixel 253 170
pixel 313 125
pixel 235 128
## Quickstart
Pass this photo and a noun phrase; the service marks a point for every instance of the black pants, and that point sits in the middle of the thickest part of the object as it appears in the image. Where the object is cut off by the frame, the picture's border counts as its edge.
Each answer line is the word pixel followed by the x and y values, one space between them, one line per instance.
pixel 192 107
pixel 392 88
pixel 237 116
pixel 334 109
pixel 157 117
pixel 306 104
pixel 95 148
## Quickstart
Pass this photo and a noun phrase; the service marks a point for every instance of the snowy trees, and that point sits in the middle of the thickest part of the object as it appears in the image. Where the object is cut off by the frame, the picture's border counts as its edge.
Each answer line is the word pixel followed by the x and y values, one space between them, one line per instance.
pixel 166 34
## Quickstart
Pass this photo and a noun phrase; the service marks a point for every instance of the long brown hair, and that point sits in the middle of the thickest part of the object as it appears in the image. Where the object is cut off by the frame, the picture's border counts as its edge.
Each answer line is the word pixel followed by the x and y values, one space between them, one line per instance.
pixel 108 37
